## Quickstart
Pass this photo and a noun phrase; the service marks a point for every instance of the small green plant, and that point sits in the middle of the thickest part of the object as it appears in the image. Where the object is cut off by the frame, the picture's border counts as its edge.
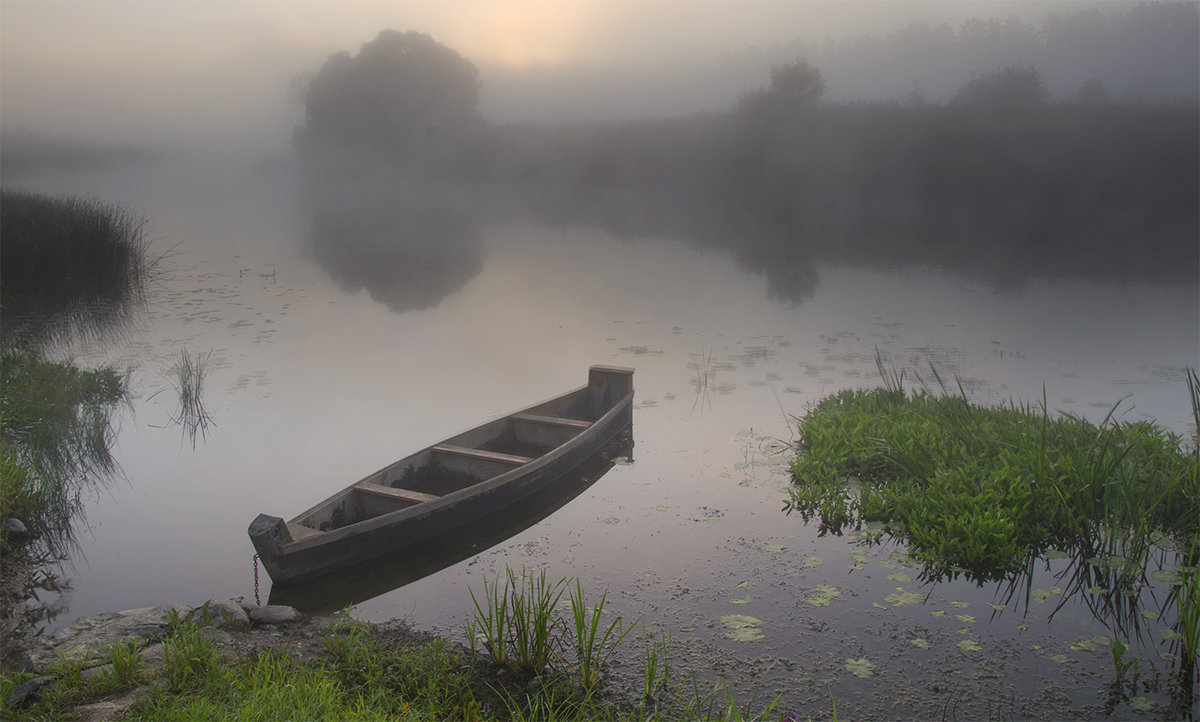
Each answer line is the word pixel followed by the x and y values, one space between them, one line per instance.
pixel 188 658
pixel 594 642
pixel 532 605
pixel 191 415
pixel 722 704
pixel 656 664
pixel 491 623
pixel 126 663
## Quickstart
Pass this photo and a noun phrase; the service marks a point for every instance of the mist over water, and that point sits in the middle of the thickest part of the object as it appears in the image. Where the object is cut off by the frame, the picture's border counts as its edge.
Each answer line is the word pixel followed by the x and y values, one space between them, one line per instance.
pixel 746 202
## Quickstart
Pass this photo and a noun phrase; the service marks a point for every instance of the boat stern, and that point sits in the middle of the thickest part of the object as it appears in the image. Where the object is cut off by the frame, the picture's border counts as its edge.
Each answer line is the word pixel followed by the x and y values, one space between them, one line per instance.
pixel 608 386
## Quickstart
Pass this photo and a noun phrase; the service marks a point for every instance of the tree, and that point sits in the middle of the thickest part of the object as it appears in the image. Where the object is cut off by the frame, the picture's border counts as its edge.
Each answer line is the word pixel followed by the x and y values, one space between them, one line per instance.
pixel 1093 92
pixel 1012 87
pixel 795 87
pixel 402 93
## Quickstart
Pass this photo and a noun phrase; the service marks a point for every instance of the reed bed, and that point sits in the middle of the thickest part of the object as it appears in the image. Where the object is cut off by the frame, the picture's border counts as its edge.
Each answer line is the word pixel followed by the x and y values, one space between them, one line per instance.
pixel 56 434
pixel 986 492
pixel 72 268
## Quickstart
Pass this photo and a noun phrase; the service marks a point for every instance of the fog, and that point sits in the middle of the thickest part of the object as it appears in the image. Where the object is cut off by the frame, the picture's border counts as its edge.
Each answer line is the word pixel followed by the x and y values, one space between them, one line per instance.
pixel 999 139
pixel 166 72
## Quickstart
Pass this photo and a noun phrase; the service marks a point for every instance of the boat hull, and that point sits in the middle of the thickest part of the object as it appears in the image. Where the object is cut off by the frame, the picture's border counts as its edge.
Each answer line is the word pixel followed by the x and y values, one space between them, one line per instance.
pixel 607 401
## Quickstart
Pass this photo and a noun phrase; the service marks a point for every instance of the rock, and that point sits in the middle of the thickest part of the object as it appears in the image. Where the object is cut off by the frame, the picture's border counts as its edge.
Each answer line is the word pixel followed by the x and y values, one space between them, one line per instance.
pixel 221 613
pixel 111 709
pixel 153 655
pixel 87 639
pixel 26 693
pixel 15 527
pixel 217 636
pixel 275 614
pixel 93 672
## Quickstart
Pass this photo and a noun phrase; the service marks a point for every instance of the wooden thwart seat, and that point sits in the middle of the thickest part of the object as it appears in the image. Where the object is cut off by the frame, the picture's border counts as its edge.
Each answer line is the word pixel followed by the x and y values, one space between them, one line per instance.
pixel 552 421
pixel 482 455
pixel 391 492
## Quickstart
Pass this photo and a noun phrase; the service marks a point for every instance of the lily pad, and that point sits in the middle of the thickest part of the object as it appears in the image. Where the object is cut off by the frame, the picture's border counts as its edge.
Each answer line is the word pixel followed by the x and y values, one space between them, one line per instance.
pixel 960 605
pixel 746 634
pixel 1171 634
pixel 1140 704
pixel 744 585
pixel 969 645
pixel 811 562
pixel 918 642
pixel 1060 658
pixel 1041 595
pixel 997 607
pixel 1054 554
pixel 939 613
pixel 1097 589
pixel 1087 644
pixel 739 601
pixel 744 628
pixel 773 548
pixel 612 520
pixel 740 621
pixel 1149 614
pixel 965 618
pixel 823 595
pixel 899 577
pixel 1167 576
pixel 860 667
pixel 901 598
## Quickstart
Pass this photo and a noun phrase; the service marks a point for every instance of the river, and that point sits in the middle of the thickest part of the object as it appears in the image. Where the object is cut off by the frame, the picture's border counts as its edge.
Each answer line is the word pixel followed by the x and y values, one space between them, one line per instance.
pixel 314 381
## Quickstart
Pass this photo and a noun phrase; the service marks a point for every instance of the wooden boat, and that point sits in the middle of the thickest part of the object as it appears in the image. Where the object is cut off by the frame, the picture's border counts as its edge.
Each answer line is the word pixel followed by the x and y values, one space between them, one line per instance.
pixel 454 484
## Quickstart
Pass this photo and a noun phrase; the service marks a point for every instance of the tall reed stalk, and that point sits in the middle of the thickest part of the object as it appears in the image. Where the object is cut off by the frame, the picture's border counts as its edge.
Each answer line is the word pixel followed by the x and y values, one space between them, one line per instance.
pixel 491 622
pixel 532 620
pixel 192 415
pixel 594 642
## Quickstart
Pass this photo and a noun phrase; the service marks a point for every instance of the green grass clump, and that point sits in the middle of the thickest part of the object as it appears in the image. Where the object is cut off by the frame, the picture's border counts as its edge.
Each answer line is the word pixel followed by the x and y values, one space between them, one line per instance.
pixel 981 489
pixel 519 626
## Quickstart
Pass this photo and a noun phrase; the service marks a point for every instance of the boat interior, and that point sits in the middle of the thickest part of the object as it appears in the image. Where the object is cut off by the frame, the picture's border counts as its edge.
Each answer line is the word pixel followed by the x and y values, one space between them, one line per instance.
pixel 457 463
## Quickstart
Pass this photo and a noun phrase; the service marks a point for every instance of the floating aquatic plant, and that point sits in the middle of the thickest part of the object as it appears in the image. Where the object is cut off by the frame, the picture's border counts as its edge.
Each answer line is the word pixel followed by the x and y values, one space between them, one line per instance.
pixel 901 598
pixel 743 628
pixel 860 668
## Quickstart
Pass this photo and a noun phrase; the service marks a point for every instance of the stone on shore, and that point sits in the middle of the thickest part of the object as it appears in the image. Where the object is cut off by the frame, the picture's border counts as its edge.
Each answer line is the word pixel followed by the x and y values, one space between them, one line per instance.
pixel 274 614
pixel 87 640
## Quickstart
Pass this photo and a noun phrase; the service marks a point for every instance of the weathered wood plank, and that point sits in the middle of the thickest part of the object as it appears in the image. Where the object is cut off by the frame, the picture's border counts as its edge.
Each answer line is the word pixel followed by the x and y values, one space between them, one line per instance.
pixel 392 492
pixel 482 455
pixel 552 420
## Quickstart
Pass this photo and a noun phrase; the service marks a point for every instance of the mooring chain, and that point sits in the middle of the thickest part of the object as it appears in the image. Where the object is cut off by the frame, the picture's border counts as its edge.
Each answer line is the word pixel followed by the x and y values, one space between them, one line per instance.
pixel 257 601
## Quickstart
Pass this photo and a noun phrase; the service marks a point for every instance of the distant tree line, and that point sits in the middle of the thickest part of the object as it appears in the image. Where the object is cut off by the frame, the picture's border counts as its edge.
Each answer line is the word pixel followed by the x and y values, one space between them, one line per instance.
pixel 1142 53
pixel 999 180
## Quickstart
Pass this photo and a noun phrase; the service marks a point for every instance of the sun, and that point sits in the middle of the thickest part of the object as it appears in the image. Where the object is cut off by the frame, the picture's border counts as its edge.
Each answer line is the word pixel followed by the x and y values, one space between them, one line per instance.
pixel 520 34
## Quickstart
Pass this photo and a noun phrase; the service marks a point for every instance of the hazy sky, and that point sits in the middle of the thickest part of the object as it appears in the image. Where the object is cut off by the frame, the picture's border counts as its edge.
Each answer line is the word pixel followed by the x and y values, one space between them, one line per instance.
pixel 153 70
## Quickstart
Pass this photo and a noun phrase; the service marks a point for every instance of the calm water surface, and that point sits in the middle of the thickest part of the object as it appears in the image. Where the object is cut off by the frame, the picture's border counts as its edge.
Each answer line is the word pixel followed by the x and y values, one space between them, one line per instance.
pixel 312 386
